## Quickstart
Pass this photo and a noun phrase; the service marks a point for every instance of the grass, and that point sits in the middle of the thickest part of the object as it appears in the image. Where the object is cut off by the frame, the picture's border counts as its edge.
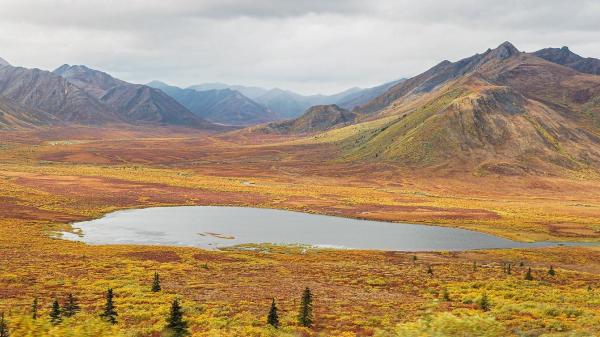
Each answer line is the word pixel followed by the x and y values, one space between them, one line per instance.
pixel 43 187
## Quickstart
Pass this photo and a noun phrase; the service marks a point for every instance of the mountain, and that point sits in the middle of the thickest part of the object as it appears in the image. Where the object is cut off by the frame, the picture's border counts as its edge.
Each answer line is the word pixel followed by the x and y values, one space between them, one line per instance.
pixel 567 58
pixel 286 103
pixel 250 92
pixel 40 90
pixel 134 103
pixel 224 106
pixel 500 112
pixel 290 104
pixel 316 118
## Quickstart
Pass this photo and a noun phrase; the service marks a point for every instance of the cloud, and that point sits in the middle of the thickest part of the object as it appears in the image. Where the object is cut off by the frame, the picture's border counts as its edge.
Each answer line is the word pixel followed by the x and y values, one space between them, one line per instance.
pixel 310 46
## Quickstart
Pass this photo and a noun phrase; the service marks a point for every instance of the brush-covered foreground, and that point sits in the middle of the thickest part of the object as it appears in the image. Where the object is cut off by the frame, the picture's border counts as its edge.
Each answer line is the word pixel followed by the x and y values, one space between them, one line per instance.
pixel 50 179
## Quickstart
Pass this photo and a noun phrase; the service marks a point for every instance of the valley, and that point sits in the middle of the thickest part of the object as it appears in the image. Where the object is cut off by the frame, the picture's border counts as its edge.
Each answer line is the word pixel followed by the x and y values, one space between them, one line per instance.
pixel 504 143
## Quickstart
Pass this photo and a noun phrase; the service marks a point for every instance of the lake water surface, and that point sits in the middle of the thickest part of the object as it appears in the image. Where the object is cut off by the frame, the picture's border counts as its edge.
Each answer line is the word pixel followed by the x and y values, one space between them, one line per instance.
pixel 214 227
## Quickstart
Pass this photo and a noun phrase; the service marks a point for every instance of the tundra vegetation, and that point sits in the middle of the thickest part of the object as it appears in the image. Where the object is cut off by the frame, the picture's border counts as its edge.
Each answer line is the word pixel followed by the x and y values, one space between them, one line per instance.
pixel 54 287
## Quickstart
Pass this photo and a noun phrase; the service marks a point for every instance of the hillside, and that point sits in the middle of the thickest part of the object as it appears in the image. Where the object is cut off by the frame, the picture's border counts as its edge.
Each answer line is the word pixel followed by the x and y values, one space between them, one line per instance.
pixel 502 112
pixel 223 106
pixel 317 118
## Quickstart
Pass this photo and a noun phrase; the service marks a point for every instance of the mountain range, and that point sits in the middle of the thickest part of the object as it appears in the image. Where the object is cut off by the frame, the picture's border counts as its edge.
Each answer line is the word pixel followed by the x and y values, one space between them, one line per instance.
pixel 288 104
pixel 502 111
pixel 224 106
pixel 82 96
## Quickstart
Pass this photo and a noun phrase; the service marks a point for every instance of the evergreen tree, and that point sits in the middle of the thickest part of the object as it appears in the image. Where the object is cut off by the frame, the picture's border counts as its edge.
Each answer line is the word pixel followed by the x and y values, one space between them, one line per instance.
pixel 414 259
pixel 484 302
pixel 3 326
pixel 176 325
pixel 55 313
pixel 70 307
pixel 156 283
pixel 34 309
pixel 305 318
pixel 528 276
pixel 110 313
pixel 273 318
pixel 551 271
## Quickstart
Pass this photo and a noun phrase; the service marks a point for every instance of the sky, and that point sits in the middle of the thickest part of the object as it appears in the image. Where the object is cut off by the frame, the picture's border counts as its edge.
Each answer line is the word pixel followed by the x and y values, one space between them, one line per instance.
pixel 309 46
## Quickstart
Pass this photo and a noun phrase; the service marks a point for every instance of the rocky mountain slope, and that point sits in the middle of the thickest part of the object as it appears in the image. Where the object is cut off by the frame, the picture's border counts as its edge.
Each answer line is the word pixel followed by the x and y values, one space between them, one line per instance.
pixel 224 106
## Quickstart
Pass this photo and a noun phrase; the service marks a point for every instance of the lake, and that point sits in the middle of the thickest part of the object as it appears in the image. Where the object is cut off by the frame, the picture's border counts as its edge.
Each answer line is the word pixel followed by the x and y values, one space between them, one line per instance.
pixel 217 227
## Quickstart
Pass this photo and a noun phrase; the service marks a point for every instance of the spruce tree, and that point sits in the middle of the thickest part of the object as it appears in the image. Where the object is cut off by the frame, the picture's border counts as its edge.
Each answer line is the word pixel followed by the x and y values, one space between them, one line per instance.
pixel 551 271
pixel 34 309
pixel 484 302
pixel 156 283
pixel 176 325
pixel 110 313
pixel 305 317
pixel 273 318
pixel 55 313
pixel 70 307
pixel 528 275
pixel 3 326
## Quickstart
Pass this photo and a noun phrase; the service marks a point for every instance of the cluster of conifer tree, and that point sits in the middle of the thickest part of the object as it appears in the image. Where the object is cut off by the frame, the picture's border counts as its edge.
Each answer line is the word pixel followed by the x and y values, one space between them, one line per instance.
pixel 176 325
pixel 305 315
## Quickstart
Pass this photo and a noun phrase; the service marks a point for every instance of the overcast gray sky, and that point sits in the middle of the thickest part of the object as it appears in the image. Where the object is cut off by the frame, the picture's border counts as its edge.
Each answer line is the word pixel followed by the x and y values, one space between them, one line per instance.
pixel 309 46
